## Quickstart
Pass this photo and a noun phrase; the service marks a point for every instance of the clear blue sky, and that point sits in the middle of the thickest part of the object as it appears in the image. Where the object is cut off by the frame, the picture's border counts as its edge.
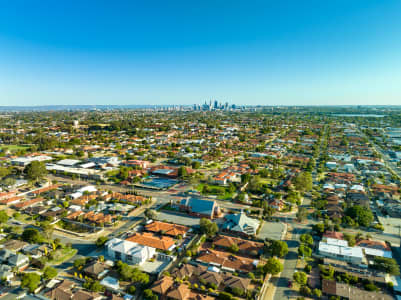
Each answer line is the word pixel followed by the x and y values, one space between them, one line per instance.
pixel 184 52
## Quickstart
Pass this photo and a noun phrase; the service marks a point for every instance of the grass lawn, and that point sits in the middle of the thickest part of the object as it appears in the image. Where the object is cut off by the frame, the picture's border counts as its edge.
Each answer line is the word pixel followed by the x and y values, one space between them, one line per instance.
pixel 226 196
pixel 13 148
pixel 61 255
pixel 268 181
pixel 213 165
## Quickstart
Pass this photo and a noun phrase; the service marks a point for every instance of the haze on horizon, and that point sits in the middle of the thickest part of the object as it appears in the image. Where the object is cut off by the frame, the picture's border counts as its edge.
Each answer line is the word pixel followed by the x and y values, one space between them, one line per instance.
pixel 184 52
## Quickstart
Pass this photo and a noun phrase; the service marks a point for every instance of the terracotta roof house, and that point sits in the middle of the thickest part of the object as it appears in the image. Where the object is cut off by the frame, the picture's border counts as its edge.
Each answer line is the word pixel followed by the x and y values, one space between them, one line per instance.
pixel 245 246
pixel 96 270
pixel 236 282
pixel 334 235
pixel 163 285
pixel 180 292
pixel 211 278
pixel 167 228
pixel 84 295
pixel 61 291
pixel 188 270
pixel 151 240
pixel 227 261
pixel 346 291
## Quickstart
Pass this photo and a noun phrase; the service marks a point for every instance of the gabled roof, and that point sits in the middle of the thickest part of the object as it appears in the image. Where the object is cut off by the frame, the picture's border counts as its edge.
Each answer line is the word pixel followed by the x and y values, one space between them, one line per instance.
pixel 167 228
pixel 181 292
pixel 211 277
pixel 237 282
pixel 242 223
pixel 150 240
pixel 243 245
pixel 200 206
pixel 161 286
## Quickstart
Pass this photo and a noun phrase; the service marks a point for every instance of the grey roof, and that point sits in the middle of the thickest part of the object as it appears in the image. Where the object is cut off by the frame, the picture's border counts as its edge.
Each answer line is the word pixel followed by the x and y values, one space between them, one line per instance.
pixel 5 254
pixel 200 206
pixel 242 223
pixel 17 259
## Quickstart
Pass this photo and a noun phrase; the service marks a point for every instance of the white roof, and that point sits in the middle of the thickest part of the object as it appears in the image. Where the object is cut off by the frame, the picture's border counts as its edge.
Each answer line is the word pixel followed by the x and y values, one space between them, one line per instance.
pixel 357 187
pixel 88 188
pixel 337 242
pixel 328 186
pixel 68 162
pixel 127 247
pixel 88 165
pixel 377 252
pixel 337 250
pixel 324 247
pixel 352 251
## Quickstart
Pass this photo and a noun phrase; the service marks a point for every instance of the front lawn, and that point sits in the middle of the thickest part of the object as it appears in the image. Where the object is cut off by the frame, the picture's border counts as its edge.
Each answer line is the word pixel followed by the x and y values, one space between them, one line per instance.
pixel 61 255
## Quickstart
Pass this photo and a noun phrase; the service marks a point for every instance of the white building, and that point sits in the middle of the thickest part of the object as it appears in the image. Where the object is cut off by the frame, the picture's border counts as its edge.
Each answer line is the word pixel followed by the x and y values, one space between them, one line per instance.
pixel 24 161
pixel 129 252
pixel 339 249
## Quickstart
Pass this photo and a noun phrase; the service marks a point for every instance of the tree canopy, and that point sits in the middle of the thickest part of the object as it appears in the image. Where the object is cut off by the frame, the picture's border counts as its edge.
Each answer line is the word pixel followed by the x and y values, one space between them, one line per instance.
pixel 208 227
pixel 279 248
pixel 36 170
pixel 273 266
pixel 361 215
pixel 303 181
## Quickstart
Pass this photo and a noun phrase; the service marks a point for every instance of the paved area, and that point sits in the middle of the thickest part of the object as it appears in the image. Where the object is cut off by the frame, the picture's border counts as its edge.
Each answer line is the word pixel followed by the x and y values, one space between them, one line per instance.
pixel 272 230
pixel 290 263
pixel 177 218
pixel 154 267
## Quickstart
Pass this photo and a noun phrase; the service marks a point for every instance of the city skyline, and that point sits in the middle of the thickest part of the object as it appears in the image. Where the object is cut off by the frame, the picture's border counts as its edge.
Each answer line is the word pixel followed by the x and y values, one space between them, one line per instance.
pixel 178 53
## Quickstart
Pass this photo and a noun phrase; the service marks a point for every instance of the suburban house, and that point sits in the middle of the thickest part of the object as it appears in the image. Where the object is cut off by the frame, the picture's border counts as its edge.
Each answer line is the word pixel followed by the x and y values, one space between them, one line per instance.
pixel 165 288
pixel 164 243
pixel 246 247
pixel 128 251
pixel 170 229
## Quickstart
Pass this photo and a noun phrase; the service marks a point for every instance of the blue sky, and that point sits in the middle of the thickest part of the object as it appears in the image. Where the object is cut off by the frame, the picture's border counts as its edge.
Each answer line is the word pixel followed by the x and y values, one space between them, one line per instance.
pixel 184 52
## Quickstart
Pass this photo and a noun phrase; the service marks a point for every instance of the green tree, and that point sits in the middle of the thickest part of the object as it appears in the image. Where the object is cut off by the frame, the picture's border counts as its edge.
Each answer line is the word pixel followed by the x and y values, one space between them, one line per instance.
pixel 80 262
pixel 306 239
pixel 49 273
pixel 36 170
pixel 148 295
pixel 279 248
pixel 319 228
pixel 273 266
pixel 32 235
pixel 361 215
pixel 304 251
pixel 101 240
pixel 132 289
pixel 317 293
pixel 195 165
pixel 386 265
pixel 208 227
pixel 303 181
pixel 182 172
pixel 30 281
pixel 302 214
pixel 234 248
pixel 150 214
pixel 300 278
pixel 3 217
